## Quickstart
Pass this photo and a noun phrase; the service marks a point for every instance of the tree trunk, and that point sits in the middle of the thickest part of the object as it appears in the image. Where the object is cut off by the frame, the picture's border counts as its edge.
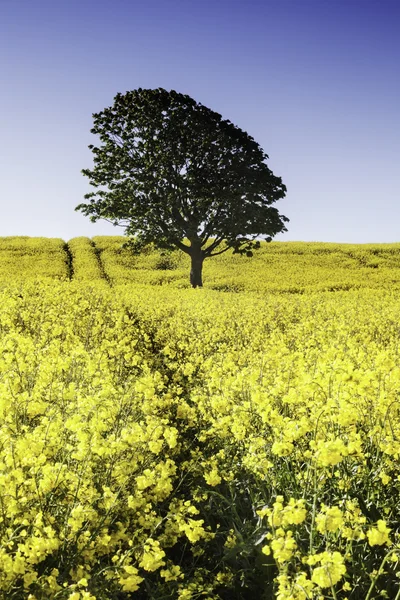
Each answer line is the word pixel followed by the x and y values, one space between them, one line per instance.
pixel 196 270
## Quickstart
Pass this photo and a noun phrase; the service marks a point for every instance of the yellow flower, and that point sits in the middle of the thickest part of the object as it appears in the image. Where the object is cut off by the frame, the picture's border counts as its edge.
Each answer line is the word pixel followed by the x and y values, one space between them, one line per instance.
pixel 185 594
pixel 171 574
pixel 385 478
pixel 379 535
pixel 193 529
pixel 299 589
pixel 131 581
pixel 283 547
pixel 346 586
pixel 29 578
pixel 294 513
pixel 146 480
pixel 330 519
pixel 231 539
pixel 212 478
pixel 331 570
pixel 282 448
pixel 171 435
pixel 331 453
pixel 152 557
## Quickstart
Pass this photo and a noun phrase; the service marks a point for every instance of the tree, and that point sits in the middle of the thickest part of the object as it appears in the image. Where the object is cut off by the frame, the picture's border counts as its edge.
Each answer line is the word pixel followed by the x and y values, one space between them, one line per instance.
pixel 180 176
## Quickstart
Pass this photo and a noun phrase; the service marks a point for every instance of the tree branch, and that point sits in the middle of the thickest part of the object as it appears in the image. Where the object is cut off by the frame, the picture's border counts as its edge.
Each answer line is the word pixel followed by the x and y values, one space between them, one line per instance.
pixel 214 245
pixel 115 224
pixel 210 224
pixel 175 241
pixel 220 252
pixel 182 246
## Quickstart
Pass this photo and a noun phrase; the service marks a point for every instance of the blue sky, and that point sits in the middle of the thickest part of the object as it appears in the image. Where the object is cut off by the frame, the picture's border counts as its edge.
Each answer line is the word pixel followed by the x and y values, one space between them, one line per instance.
pixel 315 82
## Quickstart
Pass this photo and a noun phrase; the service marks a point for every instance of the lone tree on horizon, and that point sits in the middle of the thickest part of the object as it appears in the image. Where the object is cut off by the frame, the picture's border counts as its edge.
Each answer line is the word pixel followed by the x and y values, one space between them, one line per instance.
pixel 179 176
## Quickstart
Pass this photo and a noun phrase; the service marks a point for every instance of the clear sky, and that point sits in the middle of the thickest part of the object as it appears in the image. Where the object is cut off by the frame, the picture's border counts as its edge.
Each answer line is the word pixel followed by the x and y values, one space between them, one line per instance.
pixel 315 82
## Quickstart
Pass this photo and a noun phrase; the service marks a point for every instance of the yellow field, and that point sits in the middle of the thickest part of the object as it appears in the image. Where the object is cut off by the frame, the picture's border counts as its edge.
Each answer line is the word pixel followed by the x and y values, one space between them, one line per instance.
pixel 278 267
pixel 240 441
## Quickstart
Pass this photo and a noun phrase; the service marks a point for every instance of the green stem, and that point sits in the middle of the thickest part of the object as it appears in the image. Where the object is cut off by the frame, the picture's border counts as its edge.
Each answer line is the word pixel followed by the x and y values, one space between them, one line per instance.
pixel 371 587
pixel 313 510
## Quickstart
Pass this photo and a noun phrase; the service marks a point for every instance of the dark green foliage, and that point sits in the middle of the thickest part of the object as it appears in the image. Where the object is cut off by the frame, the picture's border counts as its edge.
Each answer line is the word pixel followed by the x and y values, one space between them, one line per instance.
pixel 180 176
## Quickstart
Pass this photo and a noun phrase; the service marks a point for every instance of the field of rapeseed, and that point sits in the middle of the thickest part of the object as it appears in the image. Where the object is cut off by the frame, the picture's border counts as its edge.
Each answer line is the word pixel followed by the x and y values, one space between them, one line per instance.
pixel 239 441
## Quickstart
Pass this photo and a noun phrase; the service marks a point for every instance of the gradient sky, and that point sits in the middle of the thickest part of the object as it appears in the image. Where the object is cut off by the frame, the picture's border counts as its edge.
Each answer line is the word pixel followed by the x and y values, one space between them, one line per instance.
pixel 315 82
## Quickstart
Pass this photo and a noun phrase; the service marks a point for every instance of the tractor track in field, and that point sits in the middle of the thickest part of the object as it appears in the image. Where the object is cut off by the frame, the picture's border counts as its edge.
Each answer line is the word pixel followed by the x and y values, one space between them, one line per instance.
pixel 97 252
pixel 69 261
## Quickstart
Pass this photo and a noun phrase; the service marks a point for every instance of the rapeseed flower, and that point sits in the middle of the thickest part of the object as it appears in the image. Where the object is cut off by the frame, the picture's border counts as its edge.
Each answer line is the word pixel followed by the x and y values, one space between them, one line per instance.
pixel 130 581
pixel 331 570
pixel 330 453
pixel 107 441
pixel 330 519
pixel 213 478
pixel 283 546
pixel 379 535
pixel 153 556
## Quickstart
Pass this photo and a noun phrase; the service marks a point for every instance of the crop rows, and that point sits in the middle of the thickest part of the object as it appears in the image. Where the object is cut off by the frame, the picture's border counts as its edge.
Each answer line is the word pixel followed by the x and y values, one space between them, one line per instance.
pixel 278 267
pixel 161 442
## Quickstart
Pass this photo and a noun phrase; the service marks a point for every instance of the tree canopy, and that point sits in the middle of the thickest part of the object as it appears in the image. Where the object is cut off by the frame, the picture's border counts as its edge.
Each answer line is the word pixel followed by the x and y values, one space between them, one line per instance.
pixel 180 176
